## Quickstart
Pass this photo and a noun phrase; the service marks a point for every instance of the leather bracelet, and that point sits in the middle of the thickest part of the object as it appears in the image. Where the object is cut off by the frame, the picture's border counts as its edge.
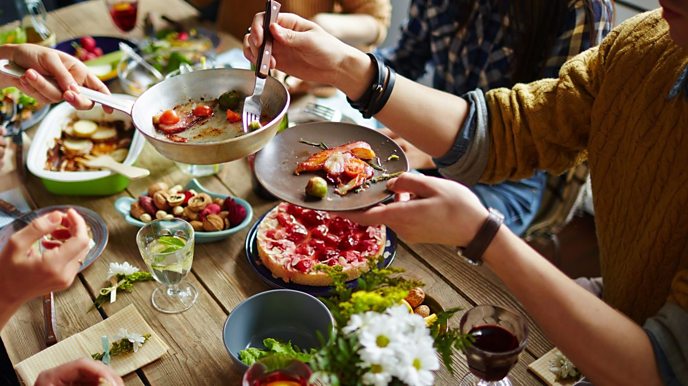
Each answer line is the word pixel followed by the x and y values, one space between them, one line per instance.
pixel 375 87
pixel 378 103
pixel 473 253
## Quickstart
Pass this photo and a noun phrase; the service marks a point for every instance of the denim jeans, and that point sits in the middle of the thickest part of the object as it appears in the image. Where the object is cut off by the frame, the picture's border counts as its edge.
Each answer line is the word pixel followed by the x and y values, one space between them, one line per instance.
pixel 518 201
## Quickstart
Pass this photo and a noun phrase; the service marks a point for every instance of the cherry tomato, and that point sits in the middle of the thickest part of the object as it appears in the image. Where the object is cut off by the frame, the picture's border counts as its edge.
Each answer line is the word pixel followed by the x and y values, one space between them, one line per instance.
pixel 232 116
pixel 169 117
pixel 183 36
pixel 202 111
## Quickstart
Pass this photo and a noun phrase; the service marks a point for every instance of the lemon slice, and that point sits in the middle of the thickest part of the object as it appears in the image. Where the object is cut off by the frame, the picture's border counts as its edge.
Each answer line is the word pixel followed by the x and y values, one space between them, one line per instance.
pixel 84 128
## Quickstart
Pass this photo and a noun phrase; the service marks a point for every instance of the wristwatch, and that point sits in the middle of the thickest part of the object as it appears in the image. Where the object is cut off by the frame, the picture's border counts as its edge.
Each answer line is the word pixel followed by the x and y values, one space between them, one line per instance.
pixel 473 253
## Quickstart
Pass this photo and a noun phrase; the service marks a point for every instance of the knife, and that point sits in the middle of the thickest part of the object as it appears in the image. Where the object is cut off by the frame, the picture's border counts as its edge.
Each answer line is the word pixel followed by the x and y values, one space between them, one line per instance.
pixel 12 211
pixel 49 319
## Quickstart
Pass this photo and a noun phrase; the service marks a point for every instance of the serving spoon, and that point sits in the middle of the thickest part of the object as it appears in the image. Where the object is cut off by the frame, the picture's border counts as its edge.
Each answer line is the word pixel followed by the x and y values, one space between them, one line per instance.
pixel 106 162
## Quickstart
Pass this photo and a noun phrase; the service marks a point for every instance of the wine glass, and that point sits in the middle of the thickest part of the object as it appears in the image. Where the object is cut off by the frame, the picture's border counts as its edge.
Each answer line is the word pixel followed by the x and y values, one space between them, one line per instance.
pixel 167 248
pixel 123 13
pixel 273 370
pixel 499 337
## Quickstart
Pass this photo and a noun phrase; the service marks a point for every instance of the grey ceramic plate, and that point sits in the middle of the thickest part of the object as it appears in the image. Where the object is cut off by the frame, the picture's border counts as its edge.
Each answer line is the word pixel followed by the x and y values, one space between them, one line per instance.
pixel 275 164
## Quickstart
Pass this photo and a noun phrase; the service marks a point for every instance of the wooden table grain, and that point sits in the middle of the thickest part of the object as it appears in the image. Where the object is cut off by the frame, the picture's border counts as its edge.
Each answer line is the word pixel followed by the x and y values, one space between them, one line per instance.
pixel 220 271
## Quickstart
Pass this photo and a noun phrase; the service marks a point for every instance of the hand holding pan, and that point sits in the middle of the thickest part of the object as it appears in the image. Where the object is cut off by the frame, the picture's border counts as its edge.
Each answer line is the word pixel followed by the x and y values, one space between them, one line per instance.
pixel 203 84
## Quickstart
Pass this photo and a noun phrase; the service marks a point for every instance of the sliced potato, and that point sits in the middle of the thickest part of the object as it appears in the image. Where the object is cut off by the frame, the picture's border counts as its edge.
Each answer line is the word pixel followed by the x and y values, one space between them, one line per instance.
pixel 84 128
pixel 77 146
pixel 68 130
pixel 104 134
pixel 119 155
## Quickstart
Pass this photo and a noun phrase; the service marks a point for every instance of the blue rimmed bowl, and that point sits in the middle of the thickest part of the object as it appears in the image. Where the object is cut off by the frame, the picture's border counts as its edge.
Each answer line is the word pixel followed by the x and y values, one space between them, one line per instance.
pixel 123 205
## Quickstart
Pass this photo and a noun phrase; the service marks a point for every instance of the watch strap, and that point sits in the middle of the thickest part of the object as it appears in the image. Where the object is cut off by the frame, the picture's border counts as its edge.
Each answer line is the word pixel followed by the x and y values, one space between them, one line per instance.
pixel 473 253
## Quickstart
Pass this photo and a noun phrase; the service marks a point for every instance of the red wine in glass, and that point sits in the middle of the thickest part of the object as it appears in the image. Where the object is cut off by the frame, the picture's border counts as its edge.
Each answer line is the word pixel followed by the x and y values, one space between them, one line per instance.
pixel 499 336
pixel 494 339
pixel 123 13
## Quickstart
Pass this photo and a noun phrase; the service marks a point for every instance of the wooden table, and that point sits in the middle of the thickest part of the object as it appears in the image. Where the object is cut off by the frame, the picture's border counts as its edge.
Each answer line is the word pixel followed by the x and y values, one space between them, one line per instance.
pixel 220 270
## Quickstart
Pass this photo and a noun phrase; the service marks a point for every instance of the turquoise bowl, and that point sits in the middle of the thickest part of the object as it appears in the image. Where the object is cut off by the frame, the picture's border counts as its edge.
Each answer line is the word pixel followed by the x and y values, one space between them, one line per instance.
pixel 123 204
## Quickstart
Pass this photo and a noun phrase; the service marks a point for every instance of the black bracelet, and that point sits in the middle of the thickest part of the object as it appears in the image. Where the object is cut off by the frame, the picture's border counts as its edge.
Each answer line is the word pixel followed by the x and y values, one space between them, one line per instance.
pixel 378 103
pixel 373 90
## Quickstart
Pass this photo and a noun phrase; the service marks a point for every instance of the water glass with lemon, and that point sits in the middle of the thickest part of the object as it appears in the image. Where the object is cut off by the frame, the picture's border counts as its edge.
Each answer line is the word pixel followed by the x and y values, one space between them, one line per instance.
pixel 167 248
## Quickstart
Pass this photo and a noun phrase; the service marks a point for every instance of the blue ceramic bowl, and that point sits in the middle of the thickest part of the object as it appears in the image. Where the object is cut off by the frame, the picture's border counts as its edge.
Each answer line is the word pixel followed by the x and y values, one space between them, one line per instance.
pixel 283 314
pixel 123 204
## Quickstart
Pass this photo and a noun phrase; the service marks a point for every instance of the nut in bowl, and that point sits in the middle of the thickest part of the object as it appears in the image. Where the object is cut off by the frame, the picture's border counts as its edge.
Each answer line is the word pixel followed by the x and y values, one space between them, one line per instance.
pixel 213 216
pixel 66 133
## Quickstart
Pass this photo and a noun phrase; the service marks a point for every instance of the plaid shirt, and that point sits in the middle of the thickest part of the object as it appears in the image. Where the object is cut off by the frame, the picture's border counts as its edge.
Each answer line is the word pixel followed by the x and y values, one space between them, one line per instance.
pixel 477 57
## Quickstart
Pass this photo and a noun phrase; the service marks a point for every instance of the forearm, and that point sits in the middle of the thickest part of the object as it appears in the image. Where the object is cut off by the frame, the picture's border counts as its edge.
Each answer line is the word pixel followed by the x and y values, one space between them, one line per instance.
pixel 428 118
pixel 608 347
pixel 353 29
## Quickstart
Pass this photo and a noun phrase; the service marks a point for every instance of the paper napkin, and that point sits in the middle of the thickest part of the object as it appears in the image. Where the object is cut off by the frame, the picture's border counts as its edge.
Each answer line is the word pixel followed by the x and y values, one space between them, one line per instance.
pixel 87 342
pixel 541 366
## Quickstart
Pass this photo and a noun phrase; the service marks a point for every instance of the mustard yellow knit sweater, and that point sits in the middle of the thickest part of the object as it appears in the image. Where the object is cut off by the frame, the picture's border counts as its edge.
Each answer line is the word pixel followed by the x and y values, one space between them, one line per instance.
pixel 610 106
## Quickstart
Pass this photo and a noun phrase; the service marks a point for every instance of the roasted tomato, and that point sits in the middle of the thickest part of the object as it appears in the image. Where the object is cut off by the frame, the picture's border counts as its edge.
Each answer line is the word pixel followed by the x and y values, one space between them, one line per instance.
pixel 169 117
pixel 232 116
pixel 202 111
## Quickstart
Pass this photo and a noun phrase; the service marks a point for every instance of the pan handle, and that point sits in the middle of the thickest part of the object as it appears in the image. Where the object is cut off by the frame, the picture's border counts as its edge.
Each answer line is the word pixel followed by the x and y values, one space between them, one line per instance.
pixel 122 104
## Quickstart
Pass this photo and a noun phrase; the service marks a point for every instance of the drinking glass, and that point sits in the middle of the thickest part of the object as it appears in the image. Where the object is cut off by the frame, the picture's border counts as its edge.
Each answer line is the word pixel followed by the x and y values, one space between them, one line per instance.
pixel 499 337
pixel 167 248
pixel 273 370
pixel 123 13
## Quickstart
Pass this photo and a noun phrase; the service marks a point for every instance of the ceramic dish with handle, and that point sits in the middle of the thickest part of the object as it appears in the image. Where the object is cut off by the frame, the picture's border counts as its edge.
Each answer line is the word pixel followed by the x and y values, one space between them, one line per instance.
pixel 123 206
pixel 81 183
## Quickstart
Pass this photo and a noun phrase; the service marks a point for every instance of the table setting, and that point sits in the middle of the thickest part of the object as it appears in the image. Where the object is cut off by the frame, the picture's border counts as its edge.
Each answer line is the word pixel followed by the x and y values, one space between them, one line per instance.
pixel 212 282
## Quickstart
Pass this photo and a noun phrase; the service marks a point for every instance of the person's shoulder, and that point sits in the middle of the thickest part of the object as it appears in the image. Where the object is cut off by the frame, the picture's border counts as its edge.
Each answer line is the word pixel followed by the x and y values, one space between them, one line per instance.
pixel 646 26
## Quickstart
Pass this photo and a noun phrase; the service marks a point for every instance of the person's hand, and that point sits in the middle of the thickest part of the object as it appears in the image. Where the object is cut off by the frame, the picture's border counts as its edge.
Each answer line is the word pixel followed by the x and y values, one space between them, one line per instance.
pixel 66 70
pixel 438 211
pixel 300 48
pixel 79 372
pixel 26 274
pixel 417 158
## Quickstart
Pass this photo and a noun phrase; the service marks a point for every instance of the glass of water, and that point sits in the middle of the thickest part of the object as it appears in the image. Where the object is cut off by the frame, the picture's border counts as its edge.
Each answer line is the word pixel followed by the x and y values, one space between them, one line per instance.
pixel 167 248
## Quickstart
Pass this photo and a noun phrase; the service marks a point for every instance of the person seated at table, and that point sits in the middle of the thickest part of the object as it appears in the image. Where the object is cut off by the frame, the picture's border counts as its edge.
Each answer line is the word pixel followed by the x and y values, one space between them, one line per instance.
pixel 488 44
pixel 40 62
pixel 27 274
pixel 622 106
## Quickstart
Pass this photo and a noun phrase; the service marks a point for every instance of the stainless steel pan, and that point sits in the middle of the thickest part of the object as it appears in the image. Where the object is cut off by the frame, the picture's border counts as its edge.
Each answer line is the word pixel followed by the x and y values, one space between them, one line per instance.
pixel 195 85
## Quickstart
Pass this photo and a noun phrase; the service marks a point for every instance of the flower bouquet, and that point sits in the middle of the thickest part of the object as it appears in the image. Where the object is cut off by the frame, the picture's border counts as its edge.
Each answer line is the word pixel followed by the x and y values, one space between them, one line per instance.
pixel 377 339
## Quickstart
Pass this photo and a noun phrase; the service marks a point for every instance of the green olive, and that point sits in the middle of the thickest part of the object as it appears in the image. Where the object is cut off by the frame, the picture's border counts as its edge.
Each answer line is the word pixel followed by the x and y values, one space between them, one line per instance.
pixel 316 187
pixel 230 100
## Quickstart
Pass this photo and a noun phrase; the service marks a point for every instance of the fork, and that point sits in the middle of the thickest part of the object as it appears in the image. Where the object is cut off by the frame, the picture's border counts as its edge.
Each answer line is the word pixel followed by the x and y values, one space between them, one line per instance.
pixel 252 106
pixel 107 162
pixel 324 112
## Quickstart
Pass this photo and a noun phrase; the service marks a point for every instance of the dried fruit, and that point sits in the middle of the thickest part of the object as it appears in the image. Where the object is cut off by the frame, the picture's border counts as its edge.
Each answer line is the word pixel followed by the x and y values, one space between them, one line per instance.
pixel 178 211
pixel 146 217
pixel 146 203
pixel 176 199
pixel 156 187
pixel 422 310
pixel 190 214
pixel 198 202
pixel 213 222
pixel 160 214
pixel 196 225
pixel 415 297
pixel 208 210
pixel 160 200
pixel 237 213
pixel 136 210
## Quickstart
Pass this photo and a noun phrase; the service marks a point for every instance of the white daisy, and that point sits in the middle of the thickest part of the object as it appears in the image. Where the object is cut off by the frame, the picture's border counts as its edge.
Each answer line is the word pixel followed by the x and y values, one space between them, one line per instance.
pixel 137 340
pixel 417 364
pixel 379 374
pixel 121 269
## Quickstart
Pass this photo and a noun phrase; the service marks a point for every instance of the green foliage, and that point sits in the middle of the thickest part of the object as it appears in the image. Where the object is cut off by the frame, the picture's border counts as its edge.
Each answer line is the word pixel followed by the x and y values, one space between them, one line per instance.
pixel 122 346
pixel 125 283
pixel 275 349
